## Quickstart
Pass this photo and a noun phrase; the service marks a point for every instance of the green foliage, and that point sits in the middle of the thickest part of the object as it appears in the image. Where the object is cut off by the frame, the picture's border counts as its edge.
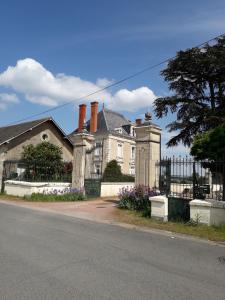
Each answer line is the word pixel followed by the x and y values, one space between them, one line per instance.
pixel 197 78
pixel 43 152
pixel 113 173
pixel 210 145
pixel 55 197
pixel 43 162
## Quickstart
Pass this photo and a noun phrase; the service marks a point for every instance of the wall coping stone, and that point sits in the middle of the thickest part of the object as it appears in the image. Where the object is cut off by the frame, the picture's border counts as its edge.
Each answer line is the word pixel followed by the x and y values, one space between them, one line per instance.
pixel 158 198
pixel 117 183
pixel 37 184
pixel 208 203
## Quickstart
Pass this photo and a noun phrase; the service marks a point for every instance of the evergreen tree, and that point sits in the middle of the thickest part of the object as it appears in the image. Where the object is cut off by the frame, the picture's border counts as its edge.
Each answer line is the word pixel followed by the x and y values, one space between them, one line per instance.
pixel 197 79
pixel 112 172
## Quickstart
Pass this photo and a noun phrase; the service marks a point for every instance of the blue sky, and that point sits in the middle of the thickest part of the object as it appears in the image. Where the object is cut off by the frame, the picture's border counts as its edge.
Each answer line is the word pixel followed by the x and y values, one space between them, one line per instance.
pixel 56 51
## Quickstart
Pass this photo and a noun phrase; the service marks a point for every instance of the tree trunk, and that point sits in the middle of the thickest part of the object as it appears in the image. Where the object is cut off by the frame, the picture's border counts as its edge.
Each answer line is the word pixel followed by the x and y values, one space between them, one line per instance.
pixel 212 95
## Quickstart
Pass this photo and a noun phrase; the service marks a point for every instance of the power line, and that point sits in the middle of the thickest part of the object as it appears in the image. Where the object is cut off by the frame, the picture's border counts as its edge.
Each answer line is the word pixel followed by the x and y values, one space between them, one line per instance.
pixel 112 84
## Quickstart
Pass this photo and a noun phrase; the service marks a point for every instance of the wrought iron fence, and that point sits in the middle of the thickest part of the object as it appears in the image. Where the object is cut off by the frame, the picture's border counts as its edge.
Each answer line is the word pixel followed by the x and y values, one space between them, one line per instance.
pixel 37 172
pixel 187 178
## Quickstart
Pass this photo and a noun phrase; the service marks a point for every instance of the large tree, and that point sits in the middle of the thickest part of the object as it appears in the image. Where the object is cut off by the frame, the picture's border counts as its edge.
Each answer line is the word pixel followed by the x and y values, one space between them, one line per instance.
pixel 196 78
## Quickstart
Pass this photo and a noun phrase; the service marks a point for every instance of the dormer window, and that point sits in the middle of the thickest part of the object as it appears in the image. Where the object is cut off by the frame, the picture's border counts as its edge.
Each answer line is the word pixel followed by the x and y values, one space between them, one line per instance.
pixel 119 130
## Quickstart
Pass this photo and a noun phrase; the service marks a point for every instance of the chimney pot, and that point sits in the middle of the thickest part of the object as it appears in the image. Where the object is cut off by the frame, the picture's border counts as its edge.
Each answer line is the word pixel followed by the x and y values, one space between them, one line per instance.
pixel 94 117
pixel 82 116
pixel 138 122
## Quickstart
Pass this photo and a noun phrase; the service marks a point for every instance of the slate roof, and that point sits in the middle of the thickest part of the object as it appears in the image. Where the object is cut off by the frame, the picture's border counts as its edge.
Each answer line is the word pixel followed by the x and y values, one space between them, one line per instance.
pixel 108 121
pixel 8 133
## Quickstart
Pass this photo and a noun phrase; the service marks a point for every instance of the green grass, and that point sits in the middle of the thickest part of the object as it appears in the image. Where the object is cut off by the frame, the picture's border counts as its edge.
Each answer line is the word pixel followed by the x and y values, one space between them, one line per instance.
pixel 213 233
pixel 37 197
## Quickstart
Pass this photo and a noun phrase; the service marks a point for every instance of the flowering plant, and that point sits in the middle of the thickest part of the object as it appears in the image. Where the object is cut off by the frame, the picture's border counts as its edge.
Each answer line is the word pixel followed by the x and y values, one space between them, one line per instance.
pixel 137 198
pixel 67 194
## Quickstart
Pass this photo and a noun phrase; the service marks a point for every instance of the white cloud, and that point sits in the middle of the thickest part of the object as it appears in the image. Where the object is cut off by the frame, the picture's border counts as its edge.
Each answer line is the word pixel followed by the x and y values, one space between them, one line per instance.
pixel 7 99
pixel 38 85
pixel 131 100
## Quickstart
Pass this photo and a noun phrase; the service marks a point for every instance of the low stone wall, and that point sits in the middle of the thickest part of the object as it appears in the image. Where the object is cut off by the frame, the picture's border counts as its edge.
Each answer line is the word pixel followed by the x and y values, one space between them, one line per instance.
pixel 22 188
pixel 159 207
pixel 109 189
pixel 208 212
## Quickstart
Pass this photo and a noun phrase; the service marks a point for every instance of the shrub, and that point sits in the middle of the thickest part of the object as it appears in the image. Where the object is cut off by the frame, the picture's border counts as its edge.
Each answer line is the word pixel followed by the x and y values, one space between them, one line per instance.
pixel 137 198
pixel 113 173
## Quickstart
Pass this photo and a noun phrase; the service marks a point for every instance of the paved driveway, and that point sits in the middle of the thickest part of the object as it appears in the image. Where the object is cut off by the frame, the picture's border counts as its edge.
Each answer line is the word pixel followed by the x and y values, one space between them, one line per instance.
pixel 50 256
pixel 99 209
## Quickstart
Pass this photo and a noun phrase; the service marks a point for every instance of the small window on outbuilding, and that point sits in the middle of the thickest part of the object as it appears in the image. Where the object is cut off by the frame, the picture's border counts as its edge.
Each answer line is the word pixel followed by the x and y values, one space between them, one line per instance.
pixel 45 137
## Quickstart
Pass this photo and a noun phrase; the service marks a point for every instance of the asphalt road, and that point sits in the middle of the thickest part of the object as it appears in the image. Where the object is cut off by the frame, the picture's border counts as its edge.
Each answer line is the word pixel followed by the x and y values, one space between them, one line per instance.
pixel 50 256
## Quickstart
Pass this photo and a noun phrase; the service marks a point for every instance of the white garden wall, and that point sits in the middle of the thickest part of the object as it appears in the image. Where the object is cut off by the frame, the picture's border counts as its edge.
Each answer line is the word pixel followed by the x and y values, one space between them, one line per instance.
pixel 22 188
pixel 109 189
pixel 208 212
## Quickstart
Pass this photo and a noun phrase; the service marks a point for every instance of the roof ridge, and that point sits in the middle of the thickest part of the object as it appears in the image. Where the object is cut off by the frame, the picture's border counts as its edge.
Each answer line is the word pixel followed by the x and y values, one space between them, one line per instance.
pixel 115 112
pixel 106 123
pixel 18 124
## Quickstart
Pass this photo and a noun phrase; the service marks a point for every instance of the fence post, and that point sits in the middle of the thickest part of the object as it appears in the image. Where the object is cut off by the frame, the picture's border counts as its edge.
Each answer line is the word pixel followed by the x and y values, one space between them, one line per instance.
pixel 194 179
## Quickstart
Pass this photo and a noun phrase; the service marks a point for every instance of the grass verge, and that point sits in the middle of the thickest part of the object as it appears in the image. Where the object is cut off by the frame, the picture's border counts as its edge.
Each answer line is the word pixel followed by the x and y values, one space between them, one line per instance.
pixel 212 233
pixel 36 197
pixel 4 196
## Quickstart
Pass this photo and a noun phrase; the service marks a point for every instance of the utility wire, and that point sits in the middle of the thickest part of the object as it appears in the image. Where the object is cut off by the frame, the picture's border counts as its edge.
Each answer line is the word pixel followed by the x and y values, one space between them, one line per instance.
pixel 112 84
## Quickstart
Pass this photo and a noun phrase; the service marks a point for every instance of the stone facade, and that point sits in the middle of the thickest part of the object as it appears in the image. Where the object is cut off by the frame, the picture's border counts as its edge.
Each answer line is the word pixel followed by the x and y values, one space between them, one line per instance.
pixel 34 137
pixel 115 147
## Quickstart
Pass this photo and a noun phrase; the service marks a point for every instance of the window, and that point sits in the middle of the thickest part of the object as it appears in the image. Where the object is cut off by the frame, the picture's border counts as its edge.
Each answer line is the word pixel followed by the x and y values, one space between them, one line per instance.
pixel 132 170
pixel 44 137
pixel 97 169
pixel 120 150
pixel 97 149
pixel 132 152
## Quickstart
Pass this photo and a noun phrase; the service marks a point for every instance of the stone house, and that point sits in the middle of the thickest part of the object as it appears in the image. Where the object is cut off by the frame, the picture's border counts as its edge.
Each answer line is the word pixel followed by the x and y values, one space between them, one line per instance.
pixel 14 138
pixel 113 138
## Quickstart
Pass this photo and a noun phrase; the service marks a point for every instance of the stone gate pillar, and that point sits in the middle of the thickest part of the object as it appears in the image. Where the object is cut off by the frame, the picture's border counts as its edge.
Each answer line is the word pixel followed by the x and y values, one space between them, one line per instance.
pixel 2 159
pixel 148 152
pixel 82 141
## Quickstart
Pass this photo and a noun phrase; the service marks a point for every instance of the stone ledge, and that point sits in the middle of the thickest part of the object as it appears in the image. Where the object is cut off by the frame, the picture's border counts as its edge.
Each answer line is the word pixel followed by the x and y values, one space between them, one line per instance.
pixel 208 203
pixel 161 199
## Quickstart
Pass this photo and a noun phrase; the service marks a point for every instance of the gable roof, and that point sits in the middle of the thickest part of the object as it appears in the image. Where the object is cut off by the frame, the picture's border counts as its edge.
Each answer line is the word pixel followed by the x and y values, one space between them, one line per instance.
pixel 9 133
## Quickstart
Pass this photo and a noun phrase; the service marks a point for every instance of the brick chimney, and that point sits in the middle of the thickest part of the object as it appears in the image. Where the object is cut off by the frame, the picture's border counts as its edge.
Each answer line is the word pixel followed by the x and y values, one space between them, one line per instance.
pixel 82 116
pixel 94 117
pixel 138 122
